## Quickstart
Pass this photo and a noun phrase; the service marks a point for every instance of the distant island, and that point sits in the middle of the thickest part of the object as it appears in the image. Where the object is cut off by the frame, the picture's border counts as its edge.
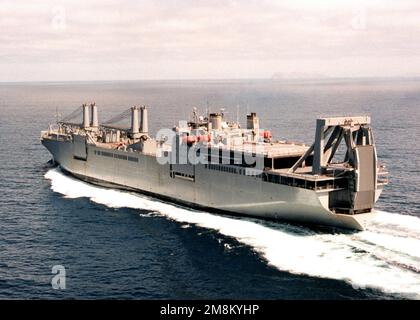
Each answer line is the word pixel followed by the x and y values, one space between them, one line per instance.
pixel 297 75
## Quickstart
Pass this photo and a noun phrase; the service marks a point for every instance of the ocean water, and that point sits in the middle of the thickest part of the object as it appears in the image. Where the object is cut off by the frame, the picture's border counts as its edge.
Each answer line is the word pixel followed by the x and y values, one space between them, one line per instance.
pixel 116 244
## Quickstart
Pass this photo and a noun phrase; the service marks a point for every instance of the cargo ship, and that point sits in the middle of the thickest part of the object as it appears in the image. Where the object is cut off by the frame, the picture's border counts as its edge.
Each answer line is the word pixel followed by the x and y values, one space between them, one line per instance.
pixel 210 163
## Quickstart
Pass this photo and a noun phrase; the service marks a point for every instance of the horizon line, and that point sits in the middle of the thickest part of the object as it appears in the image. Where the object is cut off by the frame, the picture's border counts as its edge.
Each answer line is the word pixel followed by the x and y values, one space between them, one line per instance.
pixel 402 77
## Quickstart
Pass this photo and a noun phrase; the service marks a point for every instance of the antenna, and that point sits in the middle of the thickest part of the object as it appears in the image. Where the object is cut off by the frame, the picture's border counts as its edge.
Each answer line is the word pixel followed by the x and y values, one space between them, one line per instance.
pixel 237 113
pixel 57 115
pixel 195 117
pixel 222 111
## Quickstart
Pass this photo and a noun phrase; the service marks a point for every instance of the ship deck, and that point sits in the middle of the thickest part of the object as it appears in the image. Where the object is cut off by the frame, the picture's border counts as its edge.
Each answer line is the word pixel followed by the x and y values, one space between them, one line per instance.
pixel 306 173
pixel 271 150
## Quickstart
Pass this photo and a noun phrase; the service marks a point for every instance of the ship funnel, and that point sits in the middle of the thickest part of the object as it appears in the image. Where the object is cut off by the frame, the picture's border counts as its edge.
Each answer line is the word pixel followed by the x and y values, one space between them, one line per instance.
pixel 144 126
pixel 86 122
pixel 252 121
pixel 134 120
pixel 216 121
pixel 94 113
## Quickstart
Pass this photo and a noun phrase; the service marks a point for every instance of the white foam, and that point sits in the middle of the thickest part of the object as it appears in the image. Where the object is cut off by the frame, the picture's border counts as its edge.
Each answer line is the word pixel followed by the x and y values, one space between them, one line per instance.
pixel 365 259
pixel 396 224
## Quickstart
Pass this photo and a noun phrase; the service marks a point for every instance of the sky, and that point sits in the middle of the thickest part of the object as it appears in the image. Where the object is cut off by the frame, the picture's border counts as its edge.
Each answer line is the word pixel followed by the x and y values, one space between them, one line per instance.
pixel 207 39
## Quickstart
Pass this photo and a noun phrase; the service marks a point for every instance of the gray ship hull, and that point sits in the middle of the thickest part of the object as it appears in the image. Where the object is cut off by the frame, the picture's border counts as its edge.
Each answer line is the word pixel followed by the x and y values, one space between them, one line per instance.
pixel 238 194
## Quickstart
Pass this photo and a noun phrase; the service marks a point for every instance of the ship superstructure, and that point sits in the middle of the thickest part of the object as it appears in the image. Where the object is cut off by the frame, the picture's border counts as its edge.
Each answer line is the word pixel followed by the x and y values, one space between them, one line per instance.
pixel 211 163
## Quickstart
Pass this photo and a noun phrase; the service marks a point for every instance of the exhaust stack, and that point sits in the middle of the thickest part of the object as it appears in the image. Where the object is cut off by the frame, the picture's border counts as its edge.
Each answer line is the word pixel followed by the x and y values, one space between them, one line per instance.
pixel 252 121
pixel 135 122
pixel 94 113
pixel 216 121
pixel 86 122
pixel 144 127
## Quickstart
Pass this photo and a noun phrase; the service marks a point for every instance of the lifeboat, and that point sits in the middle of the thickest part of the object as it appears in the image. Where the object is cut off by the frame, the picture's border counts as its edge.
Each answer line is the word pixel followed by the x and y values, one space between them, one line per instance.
pixel 190 140
pixel 266 134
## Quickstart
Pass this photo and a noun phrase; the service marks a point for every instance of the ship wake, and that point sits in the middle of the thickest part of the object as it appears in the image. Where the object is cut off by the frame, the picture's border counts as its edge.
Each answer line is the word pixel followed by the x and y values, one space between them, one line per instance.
pixel 384 257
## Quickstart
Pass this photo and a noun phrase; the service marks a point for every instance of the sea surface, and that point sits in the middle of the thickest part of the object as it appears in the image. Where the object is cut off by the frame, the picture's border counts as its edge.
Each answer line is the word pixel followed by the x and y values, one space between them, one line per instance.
pixel 116 244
